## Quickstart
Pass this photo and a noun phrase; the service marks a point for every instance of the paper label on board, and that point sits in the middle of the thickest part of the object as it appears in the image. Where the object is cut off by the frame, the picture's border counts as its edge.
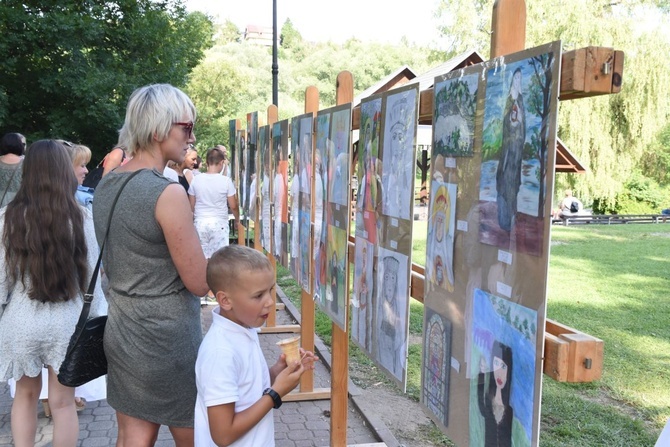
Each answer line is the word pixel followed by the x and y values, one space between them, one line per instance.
pixel 503 289
pixel 455 364
pixel 505 256
pixel 462 225
pixel 394 222
pixel 450 162
pixel 337 223
pixel 394 245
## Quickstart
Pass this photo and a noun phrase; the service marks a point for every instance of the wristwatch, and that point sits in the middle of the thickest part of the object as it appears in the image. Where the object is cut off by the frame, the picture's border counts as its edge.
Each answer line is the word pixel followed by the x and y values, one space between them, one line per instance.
pixel 274 395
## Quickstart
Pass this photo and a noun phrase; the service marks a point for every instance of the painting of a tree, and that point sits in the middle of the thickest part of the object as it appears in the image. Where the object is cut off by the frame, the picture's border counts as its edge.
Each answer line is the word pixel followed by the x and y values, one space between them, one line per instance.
pixel 539 103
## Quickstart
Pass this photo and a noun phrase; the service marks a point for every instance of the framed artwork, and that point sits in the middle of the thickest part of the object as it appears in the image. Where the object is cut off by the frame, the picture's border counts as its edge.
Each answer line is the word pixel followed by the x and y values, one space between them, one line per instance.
pixel 368 194
pixel 515 144
pixel 392 315
pixel 455 101
pixel 265 187
pixel 436 368
pixel 321 161
pixel 398 155
pixel 250 164
pixel 280 191
pixel 301 198
pixel 440 242
pixel 362 297
pixel 503 369
pixel 232 145
pixel 332 210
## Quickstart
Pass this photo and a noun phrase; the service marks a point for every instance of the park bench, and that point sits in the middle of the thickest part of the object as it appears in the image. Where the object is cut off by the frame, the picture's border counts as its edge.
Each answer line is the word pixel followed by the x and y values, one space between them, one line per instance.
pixel 609 219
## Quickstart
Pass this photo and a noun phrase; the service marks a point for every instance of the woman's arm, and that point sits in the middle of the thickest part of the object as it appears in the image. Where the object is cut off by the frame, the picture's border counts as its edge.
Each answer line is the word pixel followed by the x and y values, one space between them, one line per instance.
pixel 191 198
pixel 113 160
pixel 174 215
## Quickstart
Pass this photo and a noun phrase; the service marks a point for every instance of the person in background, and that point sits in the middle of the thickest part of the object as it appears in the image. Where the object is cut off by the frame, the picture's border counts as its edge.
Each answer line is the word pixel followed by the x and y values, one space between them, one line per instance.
pixel 41 228
pixel 80 156
pixel 184 168
pixel 197 165
pixel 12 149
pixel 570 205
pixel 156 271
pixel 115 158
pixel 226 164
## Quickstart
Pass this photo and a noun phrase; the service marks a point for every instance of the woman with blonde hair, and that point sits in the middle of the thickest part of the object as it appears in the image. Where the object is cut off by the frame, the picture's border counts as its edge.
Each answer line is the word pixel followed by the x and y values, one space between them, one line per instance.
pixel 47 255
pixel 156 271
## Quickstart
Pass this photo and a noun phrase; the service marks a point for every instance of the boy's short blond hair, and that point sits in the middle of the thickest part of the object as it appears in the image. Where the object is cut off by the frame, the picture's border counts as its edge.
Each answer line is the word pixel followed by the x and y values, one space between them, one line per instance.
pixel 226 264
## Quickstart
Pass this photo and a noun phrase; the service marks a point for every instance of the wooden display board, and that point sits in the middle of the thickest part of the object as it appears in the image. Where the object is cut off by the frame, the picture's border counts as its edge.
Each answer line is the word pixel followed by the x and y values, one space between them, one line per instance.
pixel 488 247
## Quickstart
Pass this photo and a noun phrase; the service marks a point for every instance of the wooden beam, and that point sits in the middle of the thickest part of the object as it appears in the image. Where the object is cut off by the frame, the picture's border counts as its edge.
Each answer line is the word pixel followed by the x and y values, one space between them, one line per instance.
pixel 591 71
pixel 508 27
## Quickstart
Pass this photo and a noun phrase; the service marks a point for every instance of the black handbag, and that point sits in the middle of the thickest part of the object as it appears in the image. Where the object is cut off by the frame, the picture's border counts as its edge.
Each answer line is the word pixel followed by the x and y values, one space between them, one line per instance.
pixel 85 357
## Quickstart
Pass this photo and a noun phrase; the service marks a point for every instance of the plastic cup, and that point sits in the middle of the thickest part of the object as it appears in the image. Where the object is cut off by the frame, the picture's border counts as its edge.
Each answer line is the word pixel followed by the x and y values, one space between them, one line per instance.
pixel 291 348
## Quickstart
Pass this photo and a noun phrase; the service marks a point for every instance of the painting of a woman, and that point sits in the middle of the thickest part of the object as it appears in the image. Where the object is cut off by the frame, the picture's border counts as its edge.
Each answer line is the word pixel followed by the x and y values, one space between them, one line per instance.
pixel 494 399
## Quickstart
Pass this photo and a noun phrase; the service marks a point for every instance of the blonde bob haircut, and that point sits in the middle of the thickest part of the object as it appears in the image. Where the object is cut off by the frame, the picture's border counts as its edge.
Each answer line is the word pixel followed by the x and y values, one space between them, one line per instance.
pixel 79 154
pixel 152 111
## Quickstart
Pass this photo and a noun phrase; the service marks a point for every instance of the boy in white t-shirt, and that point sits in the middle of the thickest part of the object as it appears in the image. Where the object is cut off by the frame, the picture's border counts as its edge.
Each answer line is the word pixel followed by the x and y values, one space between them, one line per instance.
pixel 236 389
pixel 211 196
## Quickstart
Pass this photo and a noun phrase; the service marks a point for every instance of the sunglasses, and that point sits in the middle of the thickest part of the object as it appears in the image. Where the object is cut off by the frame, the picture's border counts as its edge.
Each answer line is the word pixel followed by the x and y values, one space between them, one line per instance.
pixel 188 127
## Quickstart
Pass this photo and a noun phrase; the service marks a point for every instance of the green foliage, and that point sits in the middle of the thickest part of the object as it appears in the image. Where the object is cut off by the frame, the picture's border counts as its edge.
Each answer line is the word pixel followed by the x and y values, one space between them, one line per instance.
pixel 70 66
pixel 641 195
pixel 611 135
pixel 228 33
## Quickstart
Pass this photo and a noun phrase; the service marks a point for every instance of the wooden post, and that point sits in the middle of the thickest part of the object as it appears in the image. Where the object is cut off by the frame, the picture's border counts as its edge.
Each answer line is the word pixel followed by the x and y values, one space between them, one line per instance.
pixel 339 374
pixel 508 27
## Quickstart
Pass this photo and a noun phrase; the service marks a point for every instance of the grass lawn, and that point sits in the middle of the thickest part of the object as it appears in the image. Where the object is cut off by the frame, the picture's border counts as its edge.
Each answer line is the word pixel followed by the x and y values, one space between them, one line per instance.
pixel 612 282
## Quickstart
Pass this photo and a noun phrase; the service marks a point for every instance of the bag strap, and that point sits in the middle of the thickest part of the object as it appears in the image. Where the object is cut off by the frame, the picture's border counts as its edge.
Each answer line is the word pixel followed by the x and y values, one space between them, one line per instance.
pixel 9 183
pixel 88 296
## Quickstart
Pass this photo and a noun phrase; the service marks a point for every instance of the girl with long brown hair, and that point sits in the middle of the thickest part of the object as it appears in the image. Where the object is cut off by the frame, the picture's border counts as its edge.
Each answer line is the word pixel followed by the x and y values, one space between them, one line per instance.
pixel 46 258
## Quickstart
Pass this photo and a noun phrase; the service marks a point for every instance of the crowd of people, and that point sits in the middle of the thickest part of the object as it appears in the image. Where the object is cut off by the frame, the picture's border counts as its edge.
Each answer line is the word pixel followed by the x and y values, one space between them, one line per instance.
pixel 165 247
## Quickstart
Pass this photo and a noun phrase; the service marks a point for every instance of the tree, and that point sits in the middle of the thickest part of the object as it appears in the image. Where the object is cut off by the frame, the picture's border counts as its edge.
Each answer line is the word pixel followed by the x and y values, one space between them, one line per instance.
pixel 609 134
pixel 70 66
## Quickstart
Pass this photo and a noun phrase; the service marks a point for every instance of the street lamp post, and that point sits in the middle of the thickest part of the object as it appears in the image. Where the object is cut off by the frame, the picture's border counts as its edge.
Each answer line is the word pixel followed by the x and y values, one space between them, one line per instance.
pixel 275 65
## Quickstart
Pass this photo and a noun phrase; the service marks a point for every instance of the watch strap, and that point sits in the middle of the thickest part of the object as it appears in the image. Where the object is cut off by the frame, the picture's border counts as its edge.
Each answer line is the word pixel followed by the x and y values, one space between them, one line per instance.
pixel 275 397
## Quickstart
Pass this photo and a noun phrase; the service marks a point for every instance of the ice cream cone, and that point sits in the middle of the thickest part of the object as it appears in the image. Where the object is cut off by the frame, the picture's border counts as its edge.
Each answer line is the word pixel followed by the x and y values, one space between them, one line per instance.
pixel 291 348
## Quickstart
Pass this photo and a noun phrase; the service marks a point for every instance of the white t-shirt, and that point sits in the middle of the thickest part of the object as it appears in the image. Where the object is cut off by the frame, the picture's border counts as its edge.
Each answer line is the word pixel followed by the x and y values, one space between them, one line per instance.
pixel 171 174
pixel 231 368
pixel 211 193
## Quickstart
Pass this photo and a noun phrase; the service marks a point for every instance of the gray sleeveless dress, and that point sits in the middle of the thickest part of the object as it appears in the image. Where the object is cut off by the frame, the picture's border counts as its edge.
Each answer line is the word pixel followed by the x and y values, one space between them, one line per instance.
pixel 153 330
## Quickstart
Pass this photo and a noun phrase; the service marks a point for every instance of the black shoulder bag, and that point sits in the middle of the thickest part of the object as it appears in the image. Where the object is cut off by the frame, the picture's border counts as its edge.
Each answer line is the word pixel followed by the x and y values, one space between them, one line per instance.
pixel 85 358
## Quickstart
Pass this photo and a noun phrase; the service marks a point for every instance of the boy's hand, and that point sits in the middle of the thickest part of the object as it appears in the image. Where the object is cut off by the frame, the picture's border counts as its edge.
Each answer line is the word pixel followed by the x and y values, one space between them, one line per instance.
pixel 308 359
pixel 288 378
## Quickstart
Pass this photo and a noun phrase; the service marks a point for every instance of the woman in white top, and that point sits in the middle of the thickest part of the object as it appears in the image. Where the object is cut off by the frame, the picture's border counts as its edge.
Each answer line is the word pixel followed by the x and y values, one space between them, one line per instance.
pixel 212 196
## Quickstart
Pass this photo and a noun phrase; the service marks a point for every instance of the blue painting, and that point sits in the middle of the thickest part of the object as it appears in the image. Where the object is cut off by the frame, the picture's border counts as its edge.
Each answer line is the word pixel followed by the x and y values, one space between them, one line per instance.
pixel 502 388
pixel 515 146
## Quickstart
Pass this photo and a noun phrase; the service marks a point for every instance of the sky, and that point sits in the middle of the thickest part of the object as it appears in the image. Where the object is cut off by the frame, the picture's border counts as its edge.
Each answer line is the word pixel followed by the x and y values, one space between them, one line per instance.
pixel 368 20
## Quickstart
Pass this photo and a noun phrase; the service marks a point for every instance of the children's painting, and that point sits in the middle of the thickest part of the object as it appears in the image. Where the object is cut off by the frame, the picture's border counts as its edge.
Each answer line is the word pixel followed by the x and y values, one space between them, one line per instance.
pixel 233 142
pixel 368 194
pixel 236 162
pixel 503 363
pixel 299 219
pixel 265 187
pixel 392 316
pixel 440 241
pixel 337 278
pixel 340 132
pixel 520 104
pixel 454 118
pixel 306 158
pixel 280 191
pixel 436 365
pixel 250 162
pixel 400 127
pixel 320 199
pixel 361 299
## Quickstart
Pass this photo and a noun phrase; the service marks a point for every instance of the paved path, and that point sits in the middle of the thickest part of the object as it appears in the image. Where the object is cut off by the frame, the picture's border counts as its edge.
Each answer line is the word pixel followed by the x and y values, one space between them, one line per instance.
pixel 297 424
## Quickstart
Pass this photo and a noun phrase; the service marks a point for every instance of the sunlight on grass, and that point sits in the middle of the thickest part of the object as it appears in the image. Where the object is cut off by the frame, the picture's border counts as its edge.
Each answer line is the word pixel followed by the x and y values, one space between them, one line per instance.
pixel 611 282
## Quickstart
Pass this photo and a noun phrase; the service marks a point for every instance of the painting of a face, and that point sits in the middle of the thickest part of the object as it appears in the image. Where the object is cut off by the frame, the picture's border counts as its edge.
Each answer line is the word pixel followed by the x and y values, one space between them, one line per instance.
pixel 397 142
pixel 500 372
pixel 389 285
